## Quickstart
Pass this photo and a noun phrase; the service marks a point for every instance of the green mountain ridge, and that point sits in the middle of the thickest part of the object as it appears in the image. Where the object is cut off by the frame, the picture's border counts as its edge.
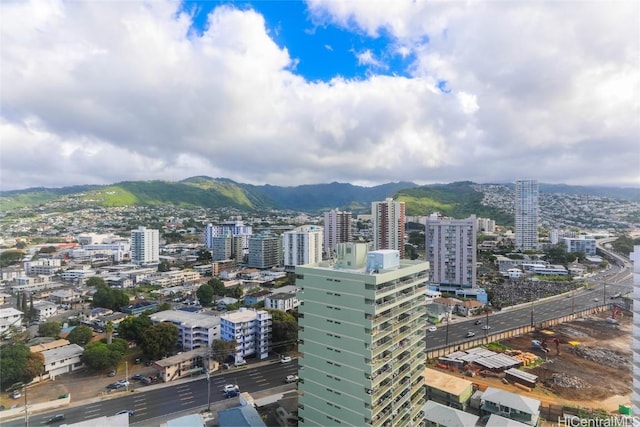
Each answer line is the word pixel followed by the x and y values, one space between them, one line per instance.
pixel 458 199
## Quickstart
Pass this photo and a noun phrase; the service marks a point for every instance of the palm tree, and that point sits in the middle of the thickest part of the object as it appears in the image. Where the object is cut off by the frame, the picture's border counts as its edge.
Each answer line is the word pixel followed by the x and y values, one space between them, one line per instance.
pixel 108 329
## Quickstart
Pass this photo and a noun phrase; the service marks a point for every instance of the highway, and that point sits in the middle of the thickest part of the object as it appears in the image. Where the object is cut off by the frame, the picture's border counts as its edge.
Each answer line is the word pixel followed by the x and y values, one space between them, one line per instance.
pixel 172 398
pixel 615 281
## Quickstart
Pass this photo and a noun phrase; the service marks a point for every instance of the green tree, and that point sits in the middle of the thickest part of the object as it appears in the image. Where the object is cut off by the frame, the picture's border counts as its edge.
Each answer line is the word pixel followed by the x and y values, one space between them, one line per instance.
pixel 10 257
pixel 49 329
pixel 237 292
pixel 80 335
pixel 221 350
pixel 35 364
pixel 13 364
pixel 96 281
pixel 284 331
pixel 108 330
pixel 97 356
pixel 205 295
pixel 159 339
pixel 204 255
pixel 217 285
pixel 134 327
pixel 164 266
pixel 164 306
pixel 24 307
pixel 110 298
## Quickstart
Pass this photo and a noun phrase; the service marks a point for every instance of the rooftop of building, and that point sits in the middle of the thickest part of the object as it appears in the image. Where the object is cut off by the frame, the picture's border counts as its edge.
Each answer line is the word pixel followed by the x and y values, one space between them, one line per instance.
pixel 443 381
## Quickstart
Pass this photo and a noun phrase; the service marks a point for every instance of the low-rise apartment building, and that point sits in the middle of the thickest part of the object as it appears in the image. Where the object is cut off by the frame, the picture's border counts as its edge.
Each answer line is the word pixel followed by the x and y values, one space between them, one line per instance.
pixel 195 330
pixel 251 329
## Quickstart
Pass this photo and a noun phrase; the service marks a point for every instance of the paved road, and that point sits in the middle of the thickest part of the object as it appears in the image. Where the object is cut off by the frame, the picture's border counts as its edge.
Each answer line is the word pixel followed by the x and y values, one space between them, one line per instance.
pixel 616 281
pixel 165 401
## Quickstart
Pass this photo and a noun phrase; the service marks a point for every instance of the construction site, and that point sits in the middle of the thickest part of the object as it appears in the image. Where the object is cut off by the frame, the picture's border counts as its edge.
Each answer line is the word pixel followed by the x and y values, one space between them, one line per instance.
pixel 584 364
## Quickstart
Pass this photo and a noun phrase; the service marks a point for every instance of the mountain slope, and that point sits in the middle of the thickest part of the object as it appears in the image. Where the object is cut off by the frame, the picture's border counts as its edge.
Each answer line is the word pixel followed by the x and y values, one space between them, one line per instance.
pixel 457 200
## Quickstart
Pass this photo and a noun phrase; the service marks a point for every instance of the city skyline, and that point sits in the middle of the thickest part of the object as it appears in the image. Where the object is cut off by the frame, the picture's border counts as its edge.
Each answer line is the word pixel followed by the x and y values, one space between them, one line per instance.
pixel 293 93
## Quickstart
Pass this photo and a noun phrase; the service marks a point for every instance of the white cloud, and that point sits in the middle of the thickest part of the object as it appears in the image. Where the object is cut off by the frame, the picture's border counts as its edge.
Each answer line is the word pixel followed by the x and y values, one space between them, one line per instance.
pixel 100 92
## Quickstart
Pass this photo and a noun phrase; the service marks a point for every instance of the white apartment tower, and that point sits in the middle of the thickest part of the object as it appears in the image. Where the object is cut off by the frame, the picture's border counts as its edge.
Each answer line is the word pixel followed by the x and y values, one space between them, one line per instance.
pixel 361 329
pixel 450 246
pixel 145 246
pixel 337 229
pixel 303 245
pixel 526 214
pixel 265 250
pixel 388 219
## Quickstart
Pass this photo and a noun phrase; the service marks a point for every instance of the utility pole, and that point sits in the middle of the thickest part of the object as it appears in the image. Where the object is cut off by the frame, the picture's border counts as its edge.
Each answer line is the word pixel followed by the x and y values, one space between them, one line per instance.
pixel 208 379
pixel 126 375
pixel 26 408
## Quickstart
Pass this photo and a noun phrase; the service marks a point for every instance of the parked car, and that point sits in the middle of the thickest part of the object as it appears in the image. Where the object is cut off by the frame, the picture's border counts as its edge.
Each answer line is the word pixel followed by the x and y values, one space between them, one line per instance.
pixel 16 394
pixel 432 329
pixel 125 411
pixel 240 363
pixel 56 418
pixel 137 377
pixel 230 387
pixel 291 379
pixel 285 359
pixel 123 383
pixel 112 373
pixel 115 386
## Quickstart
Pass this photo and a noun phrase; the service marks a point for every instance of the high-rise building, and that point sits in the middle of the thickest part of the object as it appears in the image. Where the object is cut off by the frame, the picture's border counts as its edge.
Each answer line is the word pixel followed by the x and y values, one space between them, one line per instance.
pixel 145 246
pixel 303 245
pixel 635 260
pixel 526 214
pixel 337 229
pixel 265 250
pixel 237 229
pixel 361 329
pixel 228 247
pixel 450 246
pixel 388 225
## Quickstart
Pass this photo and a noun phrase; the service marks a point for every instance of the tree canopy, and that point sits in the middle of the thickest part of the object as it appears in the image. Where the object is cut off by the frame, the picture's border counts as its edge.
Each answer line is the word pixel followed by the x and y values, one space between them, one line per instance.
pixel 221 350
pixel 96 281
pixel 49 329
pixel 80 335
pixel 205 295
pixel 110 298
pixel 134 327
pixel 18 364
pixel 159 339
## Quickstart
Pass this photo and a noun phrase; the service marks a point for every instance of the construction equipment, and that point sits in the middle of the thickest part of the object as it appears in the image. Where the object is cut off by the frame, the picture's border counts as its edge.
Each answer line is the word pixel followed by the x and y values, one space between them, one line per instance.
pixel 612 319
pixel 542 344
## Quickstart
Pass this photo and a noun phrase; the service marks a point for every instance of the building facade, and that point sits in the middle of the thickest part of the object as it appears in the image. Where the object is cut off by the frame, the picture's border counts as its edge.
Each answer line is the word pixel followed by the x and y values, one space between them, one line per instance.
pixel 251 329
pixel 450 246
pixel 337 229
pixel 303 245
pixel 194 330
pixel 361 330
pixel 265 250
pixel 145 246
pixel 635 398
pixel 526 214
pixel 388 220
pixel 582 244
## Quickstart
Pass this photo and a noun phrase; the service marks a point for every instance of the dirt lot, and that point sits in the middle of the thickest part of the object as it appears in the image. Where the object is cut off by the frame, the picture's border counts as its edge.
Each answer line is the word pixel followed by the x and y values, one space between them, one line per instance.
pixel 593 369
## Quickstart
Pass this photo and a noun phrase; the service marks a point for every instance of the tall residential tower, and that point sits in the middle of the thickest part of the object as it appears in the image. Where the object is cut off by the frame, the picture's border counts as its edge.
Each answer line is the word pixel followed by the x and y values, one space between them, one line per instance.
pixel 450 246
pixel 303 245
pixel 145 246
pixel 526 214
pixel 362 329
pixel 388 225
pixel 337 229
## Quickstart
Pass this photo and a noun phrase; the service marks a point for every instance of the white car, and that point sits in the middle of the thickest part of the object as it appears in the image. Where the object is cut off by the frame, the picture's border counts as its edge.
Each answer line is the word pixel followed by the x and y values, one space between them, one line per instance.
pixel 285 359
pixel 230 388
pixel 123 383
pixel 291 379
pixel 486 327
pixel 432 329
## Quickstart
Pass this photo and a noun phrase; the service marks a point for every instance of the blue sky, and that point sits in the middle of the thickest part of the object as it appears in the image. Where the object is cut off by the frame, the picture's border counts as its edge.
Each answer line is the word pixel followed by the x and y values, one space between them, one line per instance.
pixel 321 50
pixel 316 91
